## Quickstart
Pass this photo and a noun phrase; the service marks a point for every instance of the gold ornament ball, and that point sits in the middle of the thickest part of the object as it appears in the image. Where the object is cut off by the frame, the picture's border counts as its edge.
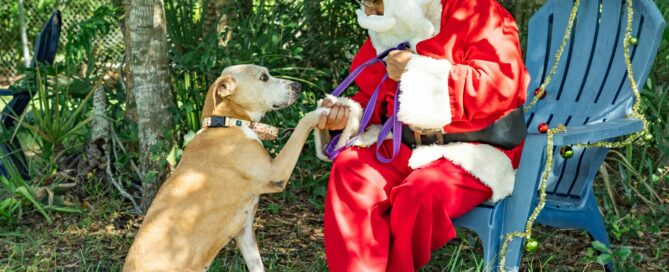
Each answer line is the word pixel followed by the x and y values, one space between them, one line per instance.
pixel 532 245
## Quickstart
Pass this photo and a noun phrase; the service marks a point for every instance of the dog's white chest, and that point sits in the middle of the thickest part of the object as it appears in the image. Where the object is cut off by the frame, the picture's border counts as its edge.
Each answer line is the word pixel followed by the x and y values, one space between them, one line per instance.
pixel 249 133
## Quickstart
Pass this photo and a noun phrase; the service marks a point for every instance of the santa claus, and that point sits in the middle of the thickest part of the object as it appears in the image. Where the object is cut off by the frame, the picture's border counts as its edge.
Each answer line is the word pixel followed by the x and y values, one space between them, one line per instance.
pixel 463 75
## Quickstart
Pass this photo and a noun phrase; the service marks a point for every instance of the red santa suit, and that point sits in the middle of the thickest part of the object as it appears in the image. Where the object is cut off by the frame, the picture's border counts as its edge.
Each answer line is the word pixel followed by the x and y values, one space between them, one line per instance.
pixel 465 73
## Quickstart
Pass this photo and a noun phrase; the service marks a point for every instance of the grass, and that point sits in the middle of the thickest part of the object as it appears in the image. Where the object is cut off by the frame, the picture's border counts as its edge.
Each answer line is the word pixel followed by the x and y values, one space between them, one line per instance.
pixel 290 235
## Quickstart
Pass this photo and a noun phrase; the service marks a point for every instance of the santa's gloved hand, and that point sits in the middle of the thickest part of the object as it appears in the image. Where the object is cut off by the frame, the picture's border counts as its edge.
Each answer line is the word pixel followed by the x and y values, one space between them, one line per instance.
pixel 396 63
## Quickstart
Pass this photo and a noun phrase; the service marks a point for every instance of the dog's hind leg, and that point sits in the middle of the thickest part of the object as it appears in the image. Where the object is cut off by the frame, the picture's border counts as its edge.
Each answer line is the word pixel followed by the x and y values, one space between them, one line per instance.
pixel 246 241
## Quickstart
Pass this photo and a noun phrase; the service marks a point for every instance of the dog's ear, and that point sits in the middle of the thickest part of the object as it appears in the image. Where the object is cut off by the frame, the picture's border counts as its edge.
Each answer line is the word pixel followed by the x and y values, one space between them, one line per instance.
pixel 225 86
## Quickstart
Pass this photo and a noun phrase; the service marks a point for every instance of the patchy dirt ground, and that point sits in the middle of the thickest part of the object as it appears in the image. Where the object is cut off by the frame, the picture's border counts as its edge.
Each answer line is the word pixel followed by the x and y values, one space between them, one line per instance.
pixel 290 235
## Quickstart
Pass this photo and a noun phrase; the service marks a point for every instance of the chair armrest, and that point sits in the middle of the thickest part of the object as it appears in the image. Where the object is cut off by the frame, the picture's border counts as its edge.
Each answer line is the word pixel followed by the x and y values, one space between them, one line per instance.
pixel 5 92
pixel 598 132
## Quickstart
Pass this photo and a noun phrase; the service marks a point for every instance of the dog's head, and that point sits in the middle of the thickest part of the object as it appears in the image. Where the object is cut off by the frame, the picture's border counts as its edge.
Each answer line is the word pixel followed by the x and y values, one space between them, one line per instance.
pixel 249 91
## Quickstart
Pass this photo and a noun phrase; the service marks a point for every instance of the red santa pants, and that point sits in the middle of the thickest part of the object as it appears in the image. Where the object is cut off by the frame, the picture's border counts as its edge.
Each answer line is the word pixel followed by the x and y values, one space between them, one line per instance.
pixel 388 217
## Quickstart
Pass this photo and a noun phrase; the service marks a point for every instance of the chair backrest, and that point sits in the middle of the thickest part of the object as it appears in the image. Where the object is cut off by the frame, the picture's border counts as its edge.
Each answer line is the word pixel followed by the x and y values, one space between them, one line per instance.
pixel 590 84
pixel 46 47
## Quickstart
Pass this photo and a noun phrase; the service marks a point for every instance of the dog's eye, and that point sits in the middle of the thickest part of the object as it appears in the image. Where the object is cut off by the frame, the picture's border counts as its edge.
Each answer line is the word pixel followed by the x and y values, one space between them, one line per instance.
pixel 264 77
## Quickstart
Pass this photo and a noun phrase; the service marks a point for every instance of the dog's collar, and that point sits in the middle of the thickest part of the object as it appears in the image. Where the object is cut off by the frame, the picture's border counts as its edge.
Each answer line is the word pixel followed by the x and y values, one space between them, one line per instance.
pixel 265 132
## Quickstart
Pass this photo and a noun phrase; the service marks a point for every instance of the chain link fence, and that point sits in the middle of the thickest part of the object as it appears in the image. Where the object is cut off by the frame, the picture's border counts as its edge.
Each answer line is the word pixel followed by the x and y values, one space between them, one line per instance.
pixel 109 48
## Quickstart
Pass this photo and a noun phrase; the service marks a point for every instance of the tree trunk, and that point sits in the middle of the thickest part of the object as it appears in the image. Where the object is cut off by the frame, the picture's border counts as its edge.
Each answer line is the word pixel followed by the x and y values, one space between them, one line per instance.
pixel 212 14
pixel 215 21
pixel 148 81
pixel 313 15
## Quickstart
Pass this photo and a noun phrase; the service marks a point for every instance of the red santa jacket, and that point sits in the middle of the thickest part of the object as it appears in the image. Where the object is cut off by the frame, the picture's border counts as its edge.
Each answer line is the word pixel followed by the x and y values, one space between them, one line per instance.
pixel 464 76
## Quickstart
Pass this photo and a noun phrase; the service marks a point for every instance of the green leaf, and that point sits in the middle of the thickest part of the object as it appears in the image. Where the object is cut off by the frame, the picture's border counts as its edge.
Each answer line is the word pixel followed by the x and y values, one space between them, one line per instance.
pixel 172 156
pixel 189 137
pixel 23 191
pixel 64 209
pixel 604 259
pixel 273 208
pixel 623 253
pixel 601 247
pixel 319 191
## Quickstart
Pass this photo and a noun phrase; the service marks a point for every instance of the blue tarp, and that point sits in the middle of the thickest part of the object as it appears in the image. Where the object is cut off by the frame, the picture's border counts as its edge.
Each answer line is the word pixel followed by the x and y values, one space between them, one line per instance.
pixel 45 53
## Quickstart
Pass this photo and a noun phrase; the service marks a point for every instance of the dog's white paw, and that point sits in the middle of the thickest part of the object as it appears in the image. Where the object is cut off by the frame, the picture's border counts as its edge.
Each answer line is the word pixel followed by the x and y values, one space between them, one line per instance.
pixel 328 97
pixel 312 117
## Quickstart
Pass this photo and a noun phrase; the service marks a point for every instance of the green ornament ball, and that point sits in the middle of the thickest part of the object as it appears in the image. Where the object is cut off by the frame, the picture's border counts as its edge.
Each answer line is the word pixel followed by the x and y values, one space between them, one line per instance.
pixel 648 137
pixel 532 245
pixel 634 40
pixel 566 152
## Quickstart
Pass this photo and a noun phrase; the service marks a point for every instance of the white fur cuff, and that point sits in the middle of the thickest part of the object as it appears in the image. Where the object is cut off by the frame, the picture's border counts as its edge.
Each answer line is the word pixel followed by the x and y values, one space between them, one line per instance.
pixel 424 96
pixel 488 164
pixel 322 137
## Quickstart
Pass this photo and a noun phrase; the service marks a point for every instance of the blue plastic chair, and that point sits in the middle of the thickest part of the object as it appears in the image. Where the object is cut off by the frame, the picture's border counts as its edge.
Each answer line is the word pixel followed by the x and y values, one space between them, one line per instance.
pixel 591 95
pixel 45 52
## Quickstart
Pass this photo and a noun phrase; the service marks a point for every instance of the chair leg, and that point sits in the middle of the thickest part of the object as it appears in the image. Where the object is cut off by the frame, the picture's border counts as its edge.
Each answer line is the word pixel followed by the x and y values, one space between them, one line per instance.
pixel 514 255
pixel 594 234
pixel 490 249
pixel 479 221
pixel 514 250
pixel 587 218
pixel 490 239
pixel 596 227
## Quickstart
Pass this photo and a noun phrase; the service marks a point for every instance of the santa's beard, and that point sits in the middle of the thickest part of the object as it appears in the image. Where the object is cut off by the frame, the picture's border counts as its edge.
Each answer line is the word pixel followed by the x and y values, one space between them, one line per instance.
pixel 401 22
pixel 383 30
pixel 375 23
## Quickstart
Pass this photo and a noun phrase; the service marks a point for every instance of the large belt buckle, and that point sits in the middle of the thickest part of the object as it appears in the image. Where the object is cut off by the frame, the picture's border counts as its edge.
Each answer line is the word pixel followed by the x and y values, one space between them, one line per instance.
pixel 437 133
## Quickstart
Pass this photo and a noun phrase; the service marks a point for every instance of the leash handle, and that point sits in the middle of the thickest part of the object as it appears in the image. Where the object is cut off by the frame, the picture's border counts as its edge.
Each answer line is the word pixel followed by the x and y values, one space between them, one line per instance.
pixel 391 125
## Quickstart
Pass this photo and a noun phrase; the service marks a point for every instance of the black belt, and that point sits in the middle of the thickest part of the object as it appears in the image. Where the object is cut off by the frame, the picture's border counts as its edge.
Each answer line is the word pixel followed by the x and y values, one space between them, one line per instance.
pixel 507 133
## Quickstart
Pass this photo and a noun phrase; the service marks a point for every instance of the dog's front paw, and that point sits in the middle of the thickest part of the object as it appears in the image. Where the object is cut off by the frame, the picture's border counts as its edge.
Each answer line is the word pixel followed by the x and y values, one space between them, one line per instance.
pixel 312 117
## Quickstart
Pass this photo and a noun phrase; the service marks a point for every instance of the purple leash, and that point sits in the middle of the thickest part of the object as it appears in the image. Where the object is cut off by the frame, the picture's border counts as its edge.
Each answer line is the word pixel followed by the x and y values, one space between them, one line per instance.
pixel 392 125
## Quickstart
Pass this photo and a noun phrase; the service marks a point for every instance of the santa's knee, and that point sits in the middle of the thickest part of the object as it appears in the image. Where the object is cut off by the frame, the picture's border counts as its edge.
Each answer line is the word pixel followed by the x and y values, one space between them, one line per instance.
pixel 349 161
pixel 421 190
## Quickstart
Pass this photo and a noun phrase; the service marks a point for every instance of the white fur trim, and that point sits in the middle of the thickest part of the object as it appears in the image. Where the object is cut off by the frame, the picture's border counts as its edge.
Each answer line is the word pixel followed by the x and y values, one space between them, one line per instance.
pixel 370 136
pixel 321 138
pixel 352 127
pixel 424 97
pixel 402 21
pixel 488 164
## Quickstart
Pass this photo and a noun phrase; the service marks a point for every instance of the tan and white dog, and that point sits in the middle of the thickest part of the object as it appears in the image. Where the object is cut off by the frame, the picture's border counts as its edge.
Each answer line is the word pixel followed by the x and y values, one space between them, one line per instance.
pixel 212 196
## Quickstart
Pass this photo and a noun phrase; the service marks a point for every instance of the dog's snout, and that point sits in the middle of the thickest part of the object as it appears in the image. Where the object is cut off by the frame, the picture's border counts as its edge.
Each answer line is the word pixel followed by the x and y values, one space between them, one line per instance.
pixel 295 86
